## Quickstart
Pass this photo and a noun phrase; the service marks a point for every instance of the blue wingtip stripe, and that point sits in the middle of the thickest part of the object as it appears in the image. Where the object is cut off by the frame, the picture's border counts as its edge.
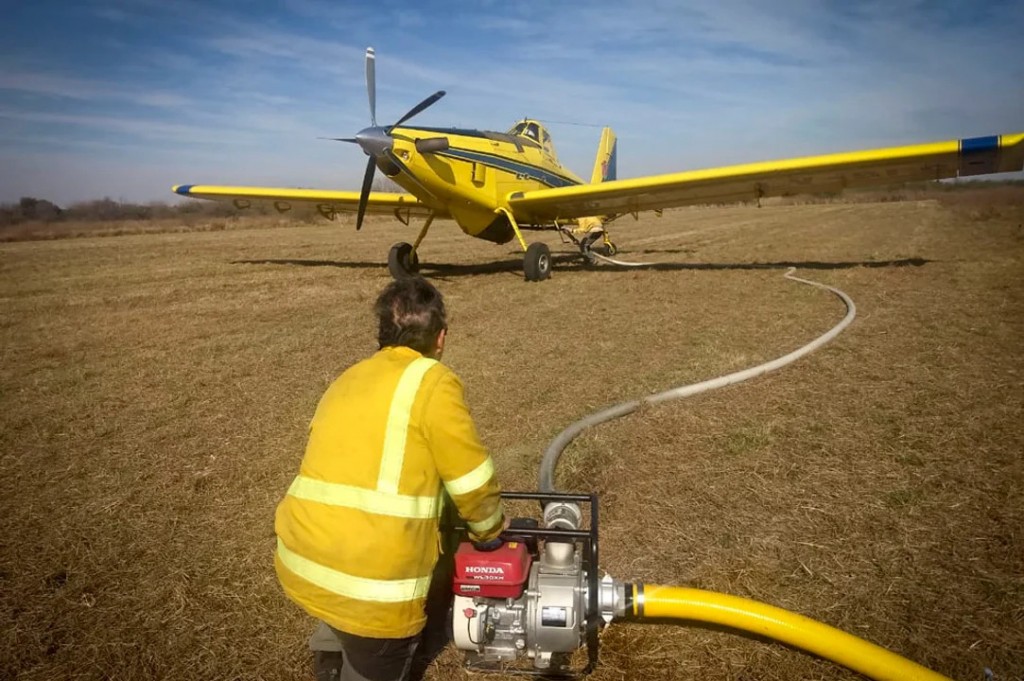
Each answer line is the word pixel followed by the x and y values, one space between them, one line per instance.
pixel 183 189
pixel 973 145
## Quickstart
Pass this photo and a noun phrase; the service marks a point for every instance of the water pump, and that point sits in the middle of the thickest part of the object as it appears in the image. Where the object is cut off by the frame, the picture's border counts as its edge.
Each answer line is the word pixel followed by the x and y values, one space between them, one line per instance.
pixel 535 594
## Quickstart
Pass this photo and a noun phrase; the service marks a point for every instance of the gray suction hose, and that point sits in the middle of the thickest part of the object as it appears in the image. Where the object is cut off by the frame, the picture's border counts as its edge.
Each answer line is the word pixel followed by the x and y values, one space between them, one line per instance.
pixel 558 445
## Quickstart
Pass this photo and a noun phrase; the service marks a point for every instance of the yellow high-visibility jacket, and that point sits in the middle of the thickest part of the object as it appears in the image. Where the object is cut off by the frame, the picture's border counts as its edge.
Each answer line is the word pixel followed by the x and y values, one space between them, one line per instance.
pixel 357 532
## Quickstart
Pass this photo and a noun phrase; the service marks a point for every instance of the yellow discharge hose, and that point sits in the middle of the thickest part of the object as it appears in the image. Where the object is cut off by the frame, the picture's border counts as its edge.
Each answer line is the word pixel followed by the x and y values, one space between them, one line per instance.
pixel 673 602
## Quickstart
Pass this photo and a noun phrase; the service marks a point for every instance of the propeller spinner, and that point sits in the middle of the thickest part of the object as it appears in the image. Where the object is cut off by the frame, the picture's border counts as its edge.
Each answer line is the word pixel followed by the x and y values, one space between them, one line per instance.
pixel 376 140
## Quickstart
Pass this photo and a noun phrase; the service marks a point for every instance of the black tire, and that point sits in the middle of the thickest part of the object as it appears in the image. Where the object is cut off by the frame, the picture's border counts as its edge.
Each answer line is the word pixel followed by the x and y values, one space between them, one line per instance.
pixel 537 262
pixel 607 249
pixel 402 262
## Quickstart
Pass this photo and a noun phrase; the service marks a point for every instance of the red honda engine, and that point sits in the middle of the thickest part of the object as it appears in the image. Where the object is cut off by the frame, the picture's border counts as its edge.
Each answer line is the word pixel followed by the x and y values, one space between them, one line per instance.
pixel 501 573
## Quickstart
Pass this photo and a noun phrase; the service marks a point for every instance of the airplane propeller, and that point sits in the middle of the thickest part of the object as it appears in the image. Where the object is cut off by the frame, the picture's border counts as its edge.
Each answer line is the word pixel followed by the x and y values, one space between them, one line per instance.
pixel 376 140
pixel 371 83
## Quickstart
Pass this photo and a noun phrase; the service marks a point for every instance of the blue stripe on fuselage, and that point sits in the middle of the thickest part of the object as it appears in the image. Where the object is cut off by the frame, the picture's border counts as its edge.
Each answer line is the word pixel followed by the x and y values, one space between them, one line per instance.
pixel 974 145
pixel 502 163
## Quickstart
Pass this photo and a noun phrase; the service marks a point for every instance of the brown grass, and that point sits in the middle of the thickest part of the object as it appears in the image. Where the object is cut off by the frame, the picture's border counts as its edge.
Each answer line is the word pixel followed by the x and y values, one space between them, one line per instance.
pixel 156 390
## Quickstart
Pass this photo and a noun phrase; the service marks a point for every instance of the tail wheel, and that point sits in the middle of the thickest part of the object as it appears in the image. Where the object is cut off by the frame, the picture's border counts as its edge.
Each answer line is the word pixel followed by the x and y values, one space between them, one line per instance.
pixel 607 249
pixel 403 261
pixel 537 262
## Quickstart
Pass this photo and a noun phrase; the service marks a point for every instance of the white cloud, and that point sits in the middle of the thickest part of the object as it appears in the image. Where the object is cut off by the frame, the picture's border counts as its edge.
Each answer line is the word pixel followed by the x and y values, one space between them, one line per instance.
pixel 71 87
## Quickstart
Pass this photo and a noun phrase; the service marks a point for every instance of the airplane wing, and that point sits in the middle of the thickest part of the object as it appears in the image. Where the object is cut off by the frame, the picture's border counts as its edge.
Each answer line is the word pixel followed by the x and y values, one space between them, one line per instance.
pixel 327 201
pixel 814 174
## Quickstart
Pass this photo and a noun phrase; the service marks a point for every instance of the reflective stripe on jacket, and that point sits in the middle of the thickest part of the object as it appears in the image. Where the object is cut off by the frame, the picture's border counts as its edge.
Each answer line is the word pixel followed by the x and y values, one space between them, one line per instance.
pixel 357 530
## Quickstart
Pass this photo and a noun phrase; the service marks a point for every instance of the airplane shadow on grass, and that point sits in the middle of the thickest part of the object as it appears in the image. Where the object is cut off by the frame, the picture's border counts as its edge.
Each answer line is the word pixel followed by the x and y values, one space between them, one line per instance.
pixel 573 263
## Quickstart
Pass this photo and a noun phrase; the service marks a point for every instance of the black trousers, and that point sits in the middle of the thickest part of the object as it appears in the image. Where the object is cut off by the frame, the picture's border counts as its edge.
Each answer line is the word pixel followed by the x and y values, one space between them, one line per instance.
pixel 340 656
pixel 365 659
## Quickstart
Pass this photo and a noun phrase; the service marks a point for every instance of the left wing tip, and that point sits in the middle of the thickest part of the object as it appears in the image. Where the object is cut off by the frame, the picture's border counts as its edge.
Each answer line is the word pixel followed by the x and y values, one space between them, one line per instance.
pixel 182 189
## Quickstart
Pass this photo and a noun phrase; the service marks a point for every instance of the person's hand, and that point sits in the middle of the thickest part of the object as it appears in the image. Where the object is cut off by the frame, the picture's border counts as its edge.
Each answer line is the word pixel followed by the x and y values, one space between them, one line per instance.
pixel 489 545
pixel 492 544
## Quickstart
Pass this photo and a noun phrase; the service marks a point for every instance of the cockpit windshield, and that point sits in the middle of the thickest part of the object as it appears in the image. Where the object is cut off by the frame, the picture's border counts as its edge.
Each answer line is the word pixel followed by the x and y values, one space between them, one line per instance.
pixel 535 132
pixel 526 129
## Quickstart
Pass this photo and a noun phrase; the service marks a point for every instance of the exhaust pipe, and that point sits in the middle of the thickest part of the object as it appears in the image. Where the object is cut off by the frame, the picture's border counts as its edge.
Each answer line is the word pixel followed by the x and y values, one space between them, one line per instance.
pixel 432 145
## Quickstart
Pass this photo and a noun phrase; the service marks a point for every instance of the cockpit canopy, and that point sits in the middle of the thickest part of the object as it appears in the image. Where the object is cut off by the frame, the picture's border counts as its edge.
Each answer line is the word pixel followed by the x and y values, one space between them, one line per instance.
pixel 534 131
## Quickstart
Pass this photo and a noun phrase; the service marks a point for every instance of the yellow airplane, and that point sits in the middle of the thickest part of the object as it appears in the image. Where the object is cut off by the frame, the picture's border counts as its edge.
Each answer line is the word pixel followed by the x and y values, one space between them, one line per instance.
pixel 496 185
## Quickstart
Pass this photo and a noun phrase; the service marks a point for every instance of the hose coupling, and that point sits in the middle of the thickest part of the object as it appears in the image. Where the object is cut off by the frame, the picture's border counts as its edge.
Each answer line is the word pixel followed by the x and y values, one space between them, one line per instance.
pixel 564 515
pixel 611 599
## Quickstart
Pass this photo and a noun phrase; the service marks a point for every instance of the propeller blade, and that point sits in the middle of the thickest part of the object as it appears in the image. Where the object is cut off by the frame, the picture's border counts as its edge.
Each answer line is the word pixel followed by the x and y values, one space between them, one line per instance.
pixel 371 84
pixel 364 195
pixel 418 108
pixel 353 140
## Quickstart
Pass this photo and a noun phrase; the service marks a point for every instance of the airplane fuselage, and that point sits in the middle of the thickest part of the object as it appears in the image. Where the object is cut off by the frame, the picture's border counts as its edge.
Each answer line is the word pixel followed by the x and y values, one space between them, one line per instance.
pixel 469 174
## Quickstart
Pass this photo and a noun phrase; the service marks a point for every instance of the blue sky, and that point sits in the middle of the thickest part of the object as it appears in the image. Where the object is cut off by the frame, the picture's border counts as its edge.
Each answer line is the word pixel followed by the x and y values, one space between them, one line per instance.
pixel 124 98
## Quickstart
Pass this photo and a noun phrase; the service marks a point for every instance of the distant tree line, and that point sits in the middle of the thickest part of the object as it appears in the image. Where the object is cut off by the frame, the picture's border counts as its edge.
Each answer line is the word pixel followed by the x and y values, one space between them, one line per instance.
pixel 30 209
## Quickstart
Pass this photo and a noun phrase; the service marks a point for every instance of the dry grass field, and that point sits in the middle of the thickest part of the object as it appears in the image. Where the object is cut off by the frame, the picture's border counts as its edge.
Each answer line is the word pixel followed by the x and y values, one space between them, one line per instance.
pixel 156 388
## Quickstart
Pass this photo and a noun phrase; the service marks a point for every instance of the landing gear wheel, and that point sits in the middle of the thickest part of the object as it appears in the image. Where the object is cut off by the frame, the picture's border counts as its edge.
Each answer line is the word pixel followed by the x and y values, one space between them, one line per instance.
pixel 607 249
pixel 402 261
pixel 537 262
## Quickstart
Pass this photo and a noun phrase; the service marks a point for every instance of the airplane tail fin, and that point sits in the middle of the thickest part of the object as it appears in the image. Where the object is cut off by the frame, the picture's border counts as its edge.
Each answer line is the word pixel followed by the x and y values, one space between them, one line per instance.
pixel 604 165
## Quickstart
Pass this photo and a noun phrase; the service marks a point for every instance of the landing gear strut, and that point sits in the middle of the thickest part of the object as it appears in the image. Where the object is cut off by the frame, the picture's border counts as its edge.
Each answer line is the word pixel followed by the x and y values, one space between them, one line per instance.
pixel 537 260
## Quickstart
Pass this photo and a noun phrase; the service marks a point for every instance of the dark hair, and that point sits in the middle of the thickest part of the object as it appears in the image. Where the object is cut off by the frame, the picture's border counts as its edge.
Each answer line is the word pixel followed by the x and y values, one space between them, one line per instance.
pixel 411 313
